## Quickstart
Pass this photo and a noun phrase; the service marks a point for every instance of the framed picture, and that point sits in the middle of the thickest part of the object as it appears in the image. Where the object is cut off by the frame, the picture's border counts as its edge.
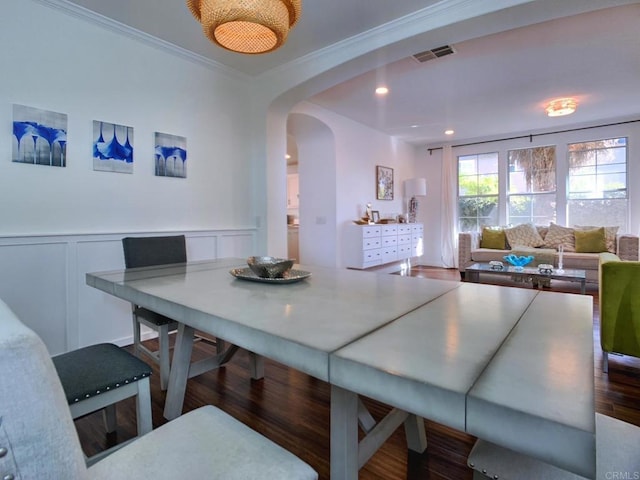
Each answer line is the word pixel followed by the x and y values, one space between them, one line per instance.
pixel 171 155
pixel 112 147
pixel 375 216
pixel 40 137
pixel 384 183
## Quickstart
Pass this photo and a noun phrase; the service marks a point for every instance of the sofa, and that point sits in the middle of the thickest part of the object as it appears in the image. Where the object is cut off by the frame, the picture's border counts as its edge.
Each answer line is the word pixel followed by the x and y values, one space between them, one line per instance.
pixel 619 293
pixel 581 246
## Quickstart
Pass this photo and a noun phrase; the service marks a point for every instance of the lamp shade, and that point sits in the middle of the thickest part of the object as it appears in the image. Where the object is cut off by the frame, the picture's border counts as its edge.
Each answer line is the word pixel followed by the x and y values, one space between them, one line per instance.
pixel 415 187
pixel 246 26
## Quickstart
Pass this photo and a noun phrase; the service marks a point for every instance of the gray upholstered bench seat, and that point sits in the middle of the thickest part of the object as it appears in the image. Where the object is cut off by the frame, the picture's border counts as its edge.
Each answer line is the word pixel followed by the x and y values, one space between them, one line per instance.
pixel 97 377
pixel 97 369
pixel 235 452
pixel 617 456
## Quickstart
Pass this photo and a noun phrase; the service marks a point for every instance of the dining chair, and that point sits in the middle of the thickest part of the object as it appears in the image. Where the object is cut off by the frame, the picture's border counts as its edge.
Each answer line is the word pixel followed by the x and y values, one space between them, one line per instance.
pixel 38 438
pixel 147 252
pixel 619 307
pixel 97 377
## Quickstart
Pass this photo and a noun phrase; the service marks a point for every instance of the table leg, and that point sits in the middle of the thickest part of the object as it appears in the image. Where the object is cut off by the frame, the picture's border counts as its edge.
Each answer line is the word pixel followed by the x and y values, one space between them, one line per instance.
pixel 365 420
pixel 583 286
pixel 344 434
pixel 179 372
pixel 472 276
pixel 256 364
pixel 415 433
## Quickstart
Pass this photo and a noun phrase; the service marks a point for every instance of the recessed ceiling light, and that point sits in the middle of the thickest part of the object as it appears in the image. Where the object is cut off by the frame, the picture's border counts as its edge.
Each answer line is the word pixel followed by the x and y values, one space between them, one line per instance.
pixel 561 106
pixel 287 156
pixel 449 132
pixel 382 91
pixel 414 126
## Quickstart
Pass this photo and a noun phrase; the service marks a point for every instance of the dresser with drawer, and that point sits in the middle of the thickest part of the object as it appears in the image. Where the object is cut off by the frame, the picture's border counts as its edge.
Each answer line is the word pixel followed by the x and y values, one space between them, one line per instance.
pixel 371 245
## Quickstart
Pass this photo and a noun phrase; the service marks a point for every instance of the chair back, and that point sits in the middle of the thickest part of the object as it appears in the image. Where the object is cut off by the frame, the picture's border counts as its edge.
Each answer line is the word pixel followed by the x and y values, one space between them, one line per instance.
pixel 35 422
pixel 619 302
pixel 150 251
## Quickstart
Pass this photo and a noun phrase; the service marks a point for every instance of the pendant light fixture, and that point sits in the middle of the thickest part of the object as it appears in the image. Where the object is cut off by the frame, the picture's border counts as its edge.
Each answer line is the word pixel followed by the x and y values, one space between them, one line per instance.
pixel 561 106
pixel 246 26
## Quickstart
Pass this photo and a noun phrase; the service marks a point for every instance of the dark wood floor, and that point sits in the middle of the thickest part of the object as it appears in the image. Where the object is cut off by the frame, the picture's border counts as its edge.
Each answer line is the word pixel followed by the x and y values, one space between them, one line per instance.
pixel 292 409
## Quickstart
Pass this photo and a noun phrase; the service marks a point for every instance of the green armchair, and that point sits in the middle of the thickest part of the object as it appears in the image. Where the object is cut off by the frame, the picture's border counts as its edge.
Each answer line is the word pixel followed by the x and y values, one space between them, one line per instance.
pixel 619 289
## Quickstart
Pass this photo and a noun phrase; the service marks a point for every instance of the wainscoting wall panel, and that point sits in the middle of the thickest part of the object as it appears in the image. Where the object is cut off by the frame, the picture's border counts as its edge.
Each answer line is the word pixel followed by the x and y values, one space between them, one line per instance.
pixel 33 283
pixel 42 279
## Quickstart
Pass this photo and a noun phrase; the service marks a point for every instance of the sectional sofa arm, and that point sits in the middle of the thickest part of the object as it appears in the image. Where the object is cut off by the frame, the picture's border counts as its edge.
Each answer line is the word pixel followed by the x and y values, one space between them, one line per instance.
pixel 627 247
pixel 467 241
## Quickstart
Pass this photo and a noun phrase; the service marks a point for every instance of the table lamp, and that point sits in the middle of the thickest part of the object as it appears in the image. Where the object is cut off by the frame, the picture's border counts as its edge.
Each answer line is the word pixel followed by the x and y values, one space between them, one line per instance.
pixel 414 187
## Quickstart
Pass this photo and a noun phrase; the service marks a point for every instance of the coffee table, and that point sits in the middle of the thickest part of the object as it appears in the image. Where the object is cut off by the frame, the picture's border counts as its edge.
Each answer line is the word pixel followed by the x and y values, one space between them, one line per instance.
pixel 572 275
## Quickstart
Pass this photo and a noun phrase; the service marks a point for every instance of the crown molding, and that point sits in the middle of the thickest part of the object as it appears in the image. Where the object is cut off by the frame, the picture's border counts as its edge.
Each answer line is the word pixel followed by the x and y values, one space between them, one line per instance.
pixel 107 23
pixel 432 17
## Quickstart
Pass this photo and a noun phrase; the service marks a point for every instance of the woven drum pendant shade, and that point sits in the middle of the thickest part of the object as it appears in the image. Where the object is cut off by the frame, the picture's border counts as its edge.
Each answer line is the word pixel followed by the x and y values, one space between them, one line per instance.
pixel 246 26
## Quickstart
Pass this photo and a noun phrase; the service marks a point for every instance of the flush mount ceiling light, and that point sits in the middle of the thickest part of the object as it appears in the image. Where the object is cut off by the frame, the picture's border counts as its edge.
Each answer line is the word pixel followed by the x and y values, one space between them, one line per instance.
pixel 246 26
pixel 561 106
pixel 382 91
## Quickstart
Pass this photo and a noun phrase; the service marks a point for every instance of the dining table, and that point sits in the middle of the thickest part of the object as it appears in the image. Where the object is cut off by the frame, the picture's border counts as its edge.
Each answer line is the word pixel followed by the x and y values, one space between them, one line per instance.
pixel 509 365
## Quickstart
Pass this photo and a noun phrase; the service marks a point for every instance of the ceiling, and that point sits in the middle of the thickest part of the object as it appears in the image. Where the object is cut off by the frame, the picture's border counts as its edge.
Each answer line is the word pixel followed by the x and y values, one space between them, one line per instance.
pixel 492 85
pixel 501 83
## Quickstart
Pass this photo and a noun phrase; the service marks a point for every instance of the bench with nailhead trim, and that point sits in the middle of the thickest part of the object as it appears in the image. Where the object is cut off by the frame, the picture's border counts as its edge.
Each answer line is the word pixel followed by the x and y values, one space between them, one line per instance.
pixel 97 377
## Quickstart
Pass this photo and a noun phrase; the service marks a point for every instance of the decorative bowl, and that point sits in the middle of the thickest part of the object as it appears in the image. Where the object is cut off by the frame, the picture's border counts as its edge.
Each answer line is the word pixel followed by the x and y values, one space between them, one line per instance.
pixel 545 268
pixel 517 260
pixel 269 267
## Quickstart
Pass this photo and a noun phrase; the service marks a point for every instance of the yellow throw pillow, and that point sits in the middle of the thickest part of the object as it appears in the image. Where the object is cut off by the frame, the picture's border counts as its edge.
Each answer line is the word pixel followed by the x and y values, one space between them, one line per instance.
pixel 610 235
pixel 590 241
pixel 493 238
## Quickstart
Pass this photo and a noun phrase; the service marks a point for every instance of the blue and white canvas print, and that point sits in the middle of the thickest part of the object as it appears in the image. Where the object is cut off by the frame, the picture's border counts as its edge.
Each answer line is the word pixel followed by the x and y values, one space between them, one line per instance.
pixel 171 155
pixel 39 137
pixel 112 147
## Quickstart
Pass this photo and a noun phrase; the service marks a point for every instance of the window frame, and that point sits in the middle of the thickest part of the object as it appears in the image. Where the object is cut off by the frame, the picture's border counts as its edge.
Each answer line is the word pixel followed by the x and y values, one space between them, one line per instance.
pixel 478 219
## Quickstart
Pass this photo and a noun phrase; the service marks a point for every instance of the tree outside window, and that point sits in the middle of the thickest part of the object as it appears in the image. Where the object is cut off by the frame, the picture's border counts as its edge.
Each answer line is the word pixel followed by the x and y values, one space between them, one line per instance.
pixel 531 194
pixel 477 191
pixel 597 189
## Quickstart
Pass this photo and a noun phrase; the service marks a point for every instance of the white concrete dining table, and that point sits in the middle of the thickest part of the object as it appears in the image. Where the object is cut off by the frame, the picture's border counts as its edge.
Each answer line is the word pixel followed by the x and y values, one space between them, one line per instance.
pixel 509 365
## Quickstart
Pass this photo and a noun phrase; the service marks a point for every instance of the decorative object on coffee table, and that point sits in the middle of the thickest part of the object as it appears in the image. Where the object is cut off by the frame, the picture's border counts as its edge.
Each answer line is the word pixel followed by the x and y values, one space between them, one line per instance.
pixel 545 268
pixel 518 261
pixel 560 254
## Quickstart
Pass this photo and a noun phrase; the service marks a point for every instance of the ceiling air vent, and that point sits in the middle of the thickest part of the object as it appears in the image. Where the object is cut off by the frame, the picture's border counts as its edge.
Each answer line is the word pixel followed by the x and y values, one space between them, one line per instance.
pixel 435 53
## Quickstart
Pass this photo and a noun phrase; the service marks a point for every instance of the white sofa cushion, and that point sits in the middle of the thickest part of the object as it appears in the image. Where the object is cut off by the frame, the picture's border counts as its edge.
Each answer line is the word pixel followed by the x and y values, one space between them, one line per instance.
pixel 559 235
pixel 525 235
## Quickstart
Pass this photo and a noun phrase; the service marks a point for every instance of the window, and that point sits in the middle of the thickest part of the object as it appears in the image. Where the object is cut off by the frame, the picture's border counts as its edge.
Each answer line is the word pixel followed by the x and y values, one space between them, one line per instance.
pixel 597 187
pixel 477 191
pixel 531 194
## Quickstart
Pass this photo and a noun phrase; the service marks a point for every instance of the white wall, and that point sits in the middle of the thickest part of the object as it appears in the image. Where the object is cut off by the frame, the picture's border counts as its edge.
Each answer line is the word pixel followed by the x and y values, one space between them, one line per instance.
pixel 351 164
pixel 57 62
pixel 317 237
pixel 57 223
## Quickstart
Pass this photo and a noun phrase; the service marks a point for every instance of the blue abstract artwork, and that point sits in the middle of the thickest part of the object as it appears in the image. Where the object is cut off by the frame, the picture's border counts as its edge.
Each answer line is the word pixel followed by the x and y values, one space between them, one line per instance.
pixel 39 137
pixel 112 147
pixel 171 155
